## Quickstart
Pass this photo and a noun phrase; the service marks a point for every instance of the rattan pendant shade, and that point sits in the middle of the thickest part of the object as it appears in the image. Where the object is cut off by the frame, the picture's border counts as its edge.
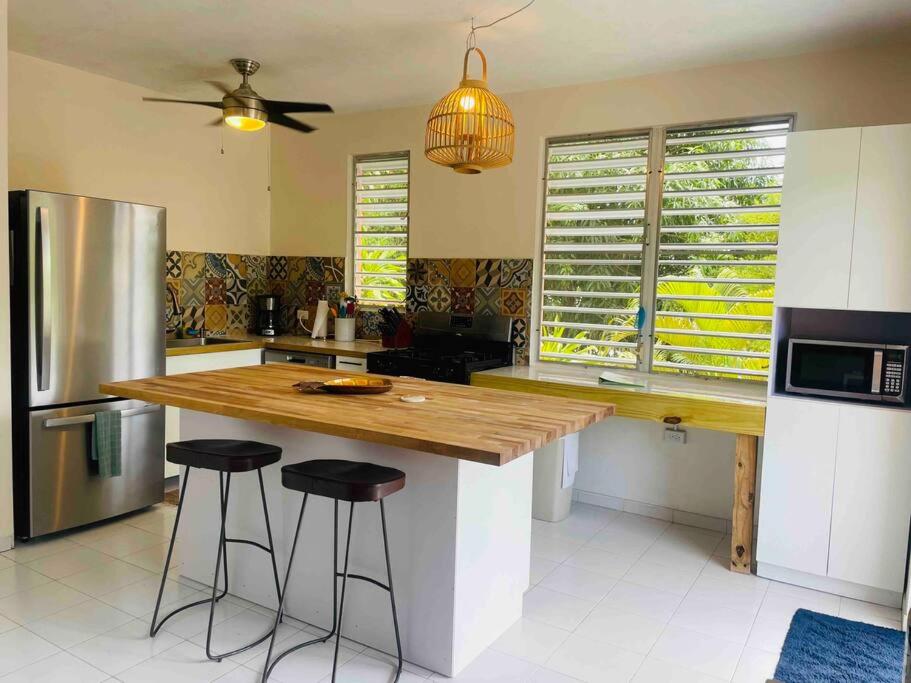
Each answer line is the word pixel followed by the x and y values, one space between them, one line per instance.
pixel 470 129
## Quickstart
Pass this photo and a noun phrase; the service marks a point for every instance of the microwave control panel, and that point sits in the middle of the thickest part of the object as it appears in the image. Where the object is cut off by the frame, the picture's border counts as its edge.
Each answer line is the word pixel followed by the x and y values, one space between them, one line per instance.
pixel 893 370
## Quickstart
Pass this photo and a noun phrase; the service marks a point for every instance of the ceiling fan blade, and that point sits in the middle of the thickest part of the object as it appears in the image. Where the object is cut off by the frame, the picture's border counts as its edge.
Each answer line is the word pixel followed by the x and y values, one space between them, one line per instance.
pixel 217 122
pixel 288 122
pixel 224 89
pixel 295 107
pixel 217 105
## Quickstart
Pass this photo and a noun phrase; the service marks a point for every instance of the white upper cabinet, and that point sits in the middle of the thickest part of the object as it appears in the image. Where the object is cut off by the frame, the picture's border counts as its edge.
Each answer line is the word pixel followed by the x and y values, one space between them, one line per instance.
pixel 872 497
pixel 817 219
pixel 798 468
pixel 880 276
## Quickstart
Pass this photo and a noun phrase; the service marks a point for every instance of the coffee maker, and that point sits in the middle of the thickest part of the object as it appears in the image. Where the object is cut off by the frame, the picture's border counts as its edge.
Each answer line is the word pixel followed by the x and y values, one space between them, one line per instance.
pixel 268 315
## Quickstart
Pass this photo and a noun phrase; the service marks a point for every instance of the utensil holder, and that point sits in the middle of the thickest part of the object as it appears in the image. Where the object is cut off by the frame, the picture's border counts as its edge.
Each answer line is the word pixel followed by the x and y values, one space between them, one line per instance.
pixel 344 329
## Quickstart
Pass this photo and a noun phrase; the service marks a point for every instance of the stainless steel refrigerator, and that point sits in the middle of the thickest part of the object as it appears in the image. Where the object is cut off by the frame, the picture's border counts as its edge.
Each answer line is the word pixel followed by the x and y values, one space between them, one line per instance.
pixel 88 306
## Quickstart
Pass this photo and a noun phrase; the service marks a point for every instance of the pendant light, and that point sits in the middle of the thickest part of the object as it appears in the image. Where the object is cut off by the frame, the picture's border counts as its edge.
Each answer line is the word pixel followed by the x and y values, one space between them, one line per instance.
pixel 470 129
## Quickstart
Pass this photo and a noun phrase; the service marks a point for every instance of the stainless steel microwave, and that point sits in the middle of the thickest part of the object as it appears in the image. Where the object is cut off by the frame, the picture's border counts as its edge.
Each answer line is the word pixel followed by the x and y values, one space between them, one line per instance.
pixel 854 370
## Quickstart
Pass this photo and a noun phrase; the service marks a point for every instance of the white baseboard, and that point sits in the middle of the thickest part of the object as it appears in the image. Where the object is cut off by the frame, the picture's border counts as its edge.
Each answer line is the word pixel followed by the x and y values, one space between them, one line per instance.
pixel 6 543
pixel 827 584
pixel 656 511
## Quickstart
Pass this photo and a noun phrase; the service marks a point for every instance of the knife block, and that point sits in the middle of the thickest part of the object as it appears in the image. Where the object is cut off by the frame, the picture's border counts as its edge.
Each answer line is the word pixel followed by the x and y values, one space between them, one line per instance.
pixel 402 338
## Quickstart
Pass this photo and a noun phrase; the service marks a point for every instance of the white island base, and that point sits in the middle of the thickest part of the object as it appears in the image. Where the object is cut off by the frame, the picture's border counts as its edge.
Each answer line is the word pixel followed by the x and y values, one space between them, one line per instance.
pixel 459 539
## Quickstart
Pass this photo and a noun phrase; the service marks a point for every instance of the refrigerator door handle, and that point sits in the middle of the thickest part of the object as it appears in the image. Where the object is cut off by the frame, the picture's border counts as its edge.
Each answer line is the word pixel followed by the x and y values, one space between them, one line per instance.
pixel 86 419
pixel 43 317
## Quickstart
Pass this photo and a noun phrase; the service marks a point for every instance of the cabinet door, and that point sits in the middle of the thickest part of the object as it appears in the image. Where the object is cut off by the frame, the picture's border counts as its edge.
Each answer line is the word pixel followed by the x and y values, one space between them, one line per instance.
pixel 872 497
pixel 798 467
pixel 817 219
pixel 882 228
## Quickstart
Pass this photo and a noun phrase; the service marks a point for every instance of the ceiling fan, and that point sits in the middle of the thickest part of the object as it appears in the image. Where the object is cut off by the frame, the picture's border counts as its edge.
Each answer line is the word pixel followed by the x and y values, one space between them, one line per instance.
pixel 243 109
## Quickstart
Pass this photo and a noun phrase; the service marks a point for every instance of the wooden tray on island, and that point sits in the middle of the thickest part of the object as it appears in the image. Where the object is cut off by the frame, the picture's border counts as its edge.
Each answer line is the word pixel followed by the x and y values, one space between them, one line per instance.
pixel 347 385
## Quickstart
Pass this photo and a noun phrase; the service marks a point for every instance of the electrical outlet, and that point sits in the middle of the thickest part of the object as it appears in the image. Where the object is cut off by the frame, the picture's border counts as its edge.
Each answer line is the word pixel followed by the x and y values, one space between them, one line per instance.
pixel 677 436
pixel 303 315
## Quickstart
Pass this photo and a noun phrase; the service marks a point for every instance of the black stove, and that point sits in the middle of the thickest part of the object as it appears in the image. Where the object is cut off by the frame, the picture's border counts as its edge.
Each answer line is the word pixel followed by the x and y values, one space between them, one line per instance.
pixel 448 348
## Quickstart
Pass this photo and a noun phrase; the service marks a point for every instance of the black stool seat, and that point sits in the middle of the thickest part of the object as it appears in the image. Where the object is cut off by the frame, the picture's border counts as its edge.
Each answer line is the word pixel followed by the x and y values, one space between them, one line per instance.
pixel 356 482
pixel 223 455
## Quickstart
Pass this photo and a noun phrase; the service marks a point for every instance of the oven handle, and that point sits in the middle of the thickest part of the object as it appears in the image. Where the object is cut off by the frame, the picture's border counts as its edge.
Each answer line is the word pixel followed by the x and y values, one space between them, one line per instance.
pixel 86 419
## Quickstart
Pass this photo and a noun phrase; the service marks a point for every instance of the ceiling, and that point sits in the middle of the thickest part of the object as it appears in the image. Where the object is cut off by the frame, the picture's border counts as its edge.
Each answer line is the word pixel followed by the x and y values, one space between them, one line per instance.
pixel 372 54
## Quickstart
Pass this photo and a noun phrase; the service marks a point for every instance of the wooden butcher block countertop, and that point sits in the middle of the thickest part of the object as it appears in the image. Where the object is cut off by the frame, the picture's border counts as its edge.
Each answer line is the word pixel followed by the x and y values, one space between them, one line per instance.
pixel 490 426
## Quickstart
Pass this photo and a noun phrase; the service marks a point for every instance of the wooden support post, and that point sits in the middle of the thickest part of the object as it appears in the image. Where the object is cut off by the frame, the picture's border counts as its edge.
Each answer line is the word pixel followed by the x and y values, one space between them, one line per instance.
pixel 744 497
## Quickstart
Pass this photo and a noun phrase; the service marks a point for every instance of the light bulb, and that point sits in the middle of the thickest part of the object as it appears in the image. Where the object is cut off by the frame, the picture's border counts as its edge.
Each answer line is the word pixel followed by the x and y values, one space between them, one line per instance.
pixel 467 103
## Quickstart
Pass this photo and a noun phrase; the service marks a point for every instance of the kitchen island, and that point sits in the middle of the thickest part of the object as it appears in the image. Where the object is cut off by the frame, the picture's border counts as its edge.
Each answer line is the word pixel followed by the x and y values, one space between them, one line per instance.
pixel 460 530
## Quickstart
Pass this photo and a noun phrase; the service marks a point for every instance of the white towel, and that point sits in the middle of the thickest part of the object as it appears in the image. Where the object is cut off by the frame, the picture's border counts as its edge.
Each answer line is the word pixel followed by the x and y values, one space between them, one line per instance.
pixel 570 459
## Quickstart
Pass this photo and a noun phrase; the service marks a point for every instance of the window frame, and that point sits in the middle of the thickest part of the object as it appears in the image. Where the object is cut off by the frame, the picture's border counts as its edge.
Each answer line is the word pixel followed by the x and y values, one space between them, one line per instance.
pixel 351 261
pixel 654 192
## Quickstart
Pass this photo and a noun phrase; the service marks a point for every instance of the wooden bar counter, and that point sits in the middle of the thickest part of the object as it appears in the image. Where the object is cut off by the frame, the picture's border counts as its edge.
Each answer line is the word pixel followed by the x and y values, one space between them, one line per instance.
pixel 725 406
pixel 459 532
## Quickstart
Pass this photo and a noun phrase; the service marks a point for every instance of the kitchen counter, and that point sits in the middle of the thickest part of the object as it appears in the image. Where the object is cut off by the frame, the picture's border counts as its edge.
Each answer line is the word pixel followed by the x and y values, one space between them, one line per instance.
pixel 459 532
pixel 706 403
pixel 504 425
pixel 358 348
pixel 719 405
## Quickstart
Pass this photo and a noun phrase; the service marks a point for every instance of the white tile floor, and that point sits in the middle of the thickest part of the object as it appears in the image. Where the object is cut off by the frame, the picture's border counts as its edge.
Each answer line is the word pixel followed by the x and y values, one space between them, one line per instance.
pixel 615 597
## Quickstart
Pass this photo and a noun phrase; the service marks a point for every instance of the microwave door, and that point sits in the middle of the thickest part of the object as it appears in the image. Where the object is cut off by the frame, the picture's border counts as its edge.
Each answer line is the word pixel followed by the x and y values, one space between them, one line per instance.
pixel 842 370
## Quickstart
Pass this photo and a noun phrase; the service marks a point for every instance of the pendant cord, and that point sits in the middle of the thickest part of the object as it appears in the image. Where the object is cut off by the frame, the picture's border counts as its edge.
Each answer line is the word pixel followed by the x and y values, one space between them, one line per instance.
pixel 471 41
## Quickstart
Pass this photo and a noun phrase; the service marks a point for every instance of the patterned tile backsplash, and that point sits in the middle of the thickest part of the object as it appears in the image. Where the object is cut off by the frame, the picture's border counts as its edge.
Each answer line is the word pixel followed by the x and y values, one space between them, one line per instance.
pixel 476 287
pixel 220 290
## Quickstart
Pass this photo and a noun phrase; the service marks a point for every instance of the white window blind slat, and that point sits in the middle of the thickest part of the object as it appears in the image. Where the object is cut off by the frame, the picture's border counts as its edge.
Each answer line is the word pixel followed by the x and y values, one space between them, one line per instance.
pixel 380 228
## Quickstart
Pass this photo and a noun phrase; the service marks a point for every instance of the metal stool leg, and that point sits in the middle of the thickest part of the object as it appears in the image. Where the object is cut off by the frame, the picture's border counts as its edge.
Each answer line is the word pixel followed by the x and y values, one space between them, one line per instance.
pixel 155 628
pixel 341 606
pixel 167 563
pixel 224 491
pixel 395 618
pixel 267 668
pixel 262 491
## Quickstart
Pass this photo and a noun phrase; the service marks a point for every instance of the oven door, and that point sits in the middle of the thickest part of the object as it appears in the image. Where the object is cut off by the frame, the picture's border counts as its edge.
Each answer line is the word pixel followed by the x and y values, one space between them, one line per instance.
pixel 840 369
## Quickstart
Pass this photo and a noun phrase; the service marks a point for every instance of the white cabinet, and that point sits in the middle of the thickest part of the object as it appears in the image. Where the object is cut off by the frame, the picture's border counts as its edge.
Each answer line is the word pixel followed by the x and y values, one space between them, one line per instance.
pixel 817 219
pixel 872 497
pixel 845 235
pixel 351 364
pixel 798 468
pixel 198 362
pixel 835 497
pixel 882 227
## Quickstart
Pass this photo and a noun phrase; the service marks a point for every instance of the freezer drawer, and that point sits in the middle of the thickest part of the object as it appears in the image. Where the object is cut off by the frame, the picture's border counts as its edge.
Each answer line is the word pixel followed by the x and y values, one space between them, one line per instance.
pixel 63 489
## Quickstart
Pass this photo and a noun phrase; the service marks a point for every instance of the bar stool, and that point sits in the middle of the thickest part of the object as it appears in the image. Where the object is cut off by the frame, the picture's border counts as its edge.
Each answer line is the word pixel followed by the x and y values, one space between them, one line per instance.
pixel 354 482
pixel 225 456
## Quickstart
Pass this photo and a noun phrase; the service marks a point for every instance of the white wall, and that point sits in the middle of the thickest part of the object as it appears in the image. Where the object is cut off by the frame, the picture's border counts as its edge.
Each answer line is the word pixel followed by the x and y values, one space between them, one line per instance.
pixel 628 459
pixel 6 460
pixel 84 134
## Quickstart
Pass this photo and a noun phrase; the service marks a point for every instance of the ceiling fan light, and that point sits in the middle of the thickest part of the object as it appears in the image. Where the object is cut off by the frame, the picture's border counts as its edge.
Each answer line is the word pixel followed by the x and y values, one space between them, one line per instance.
pixel 245 118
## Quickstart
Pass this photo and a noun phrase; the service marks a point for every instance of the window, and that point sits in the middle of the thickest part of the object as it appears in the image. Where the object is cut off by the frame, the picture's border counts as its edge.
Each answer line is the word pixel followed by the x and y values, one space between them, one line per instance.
pixel 594 238
pixel 380 228
pixel 682 222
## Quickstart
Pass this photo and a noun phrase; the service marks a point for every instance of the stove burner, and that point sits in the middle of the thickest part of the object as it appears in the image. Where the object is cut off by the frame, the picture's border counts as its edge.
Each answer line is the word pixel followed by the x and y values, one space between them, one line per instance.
pixel 447 351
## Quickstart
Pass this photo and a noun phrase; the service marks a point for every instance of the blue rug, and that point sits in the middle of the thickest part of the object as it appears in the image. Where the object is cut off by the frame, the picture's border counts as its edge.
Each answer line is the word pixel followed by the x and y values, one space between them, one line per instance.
pixel 824 648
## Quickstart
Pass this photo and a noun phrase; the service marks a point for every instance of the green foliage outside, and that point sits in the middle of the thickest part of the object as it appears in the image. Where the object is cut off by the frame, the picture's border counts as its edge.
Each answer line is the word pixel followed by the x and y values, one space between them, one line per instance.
pixel 376 276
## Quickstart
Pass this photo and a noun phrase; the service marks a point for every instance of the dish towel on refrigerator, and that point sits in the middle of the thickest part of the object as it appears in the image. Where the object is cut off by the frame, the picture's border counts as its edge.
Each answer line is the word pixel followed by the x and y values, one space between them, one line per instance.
pixel 570 459
pixel 106 443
